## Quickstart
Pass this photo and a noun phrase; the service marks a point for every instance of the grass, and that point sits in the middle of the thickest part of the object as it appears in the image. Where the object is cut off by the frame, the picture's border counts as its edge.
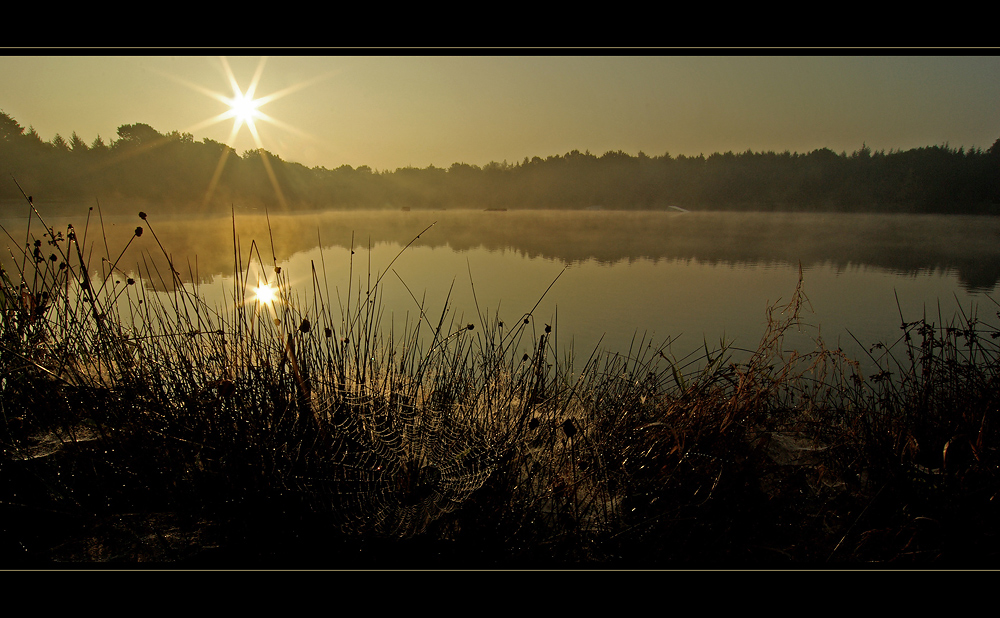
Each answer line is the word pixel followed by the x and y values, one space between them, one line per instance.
pixel 154 427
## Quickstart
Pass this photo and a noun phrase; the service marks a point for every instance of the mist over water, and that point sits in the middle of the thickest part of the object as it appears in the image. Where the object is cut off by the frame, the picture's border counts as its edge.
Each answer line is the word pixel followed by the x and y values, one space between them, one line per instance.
pixel 620 278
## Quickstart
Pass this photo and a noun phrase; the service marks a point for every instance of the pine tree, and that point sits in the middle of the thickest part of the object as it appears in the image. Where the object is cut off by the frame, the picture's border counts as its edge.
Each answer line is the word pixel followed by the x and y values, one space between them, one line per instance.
pixel 76 144
pixel 59 142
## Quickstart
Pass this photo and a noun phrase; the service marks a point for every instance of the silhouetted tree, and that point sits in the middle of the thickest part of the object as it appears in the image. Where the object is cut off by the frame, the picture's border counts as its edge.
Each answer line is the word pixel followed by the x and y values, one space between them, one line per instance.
pixel 172 168
pixel 10 130
pixel 60 143
pixel 995 148
pixel 76 144
pixel 137 135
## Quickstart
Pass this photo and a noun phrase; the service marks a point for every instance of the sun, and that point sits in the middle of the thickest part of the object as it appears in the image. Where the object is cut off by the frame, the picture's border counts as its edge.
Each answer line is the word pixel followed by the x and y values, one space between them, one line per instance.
pixel 243 108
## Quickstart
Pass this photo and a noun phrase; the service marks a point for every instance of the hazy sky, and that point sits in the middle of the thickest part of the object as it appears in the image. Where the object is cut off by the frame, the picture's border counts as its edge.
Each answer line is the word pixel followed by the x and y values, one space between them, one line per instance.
pixel 389 112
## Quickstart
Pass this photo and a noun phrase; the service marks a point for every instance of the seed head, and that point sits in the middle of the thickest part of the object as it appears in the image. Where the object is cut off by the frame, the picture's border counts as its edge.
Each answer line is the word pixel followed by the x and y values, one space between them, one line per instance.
pixel 142 215
pixel 226 388
pixel 568 428
pixel 138 231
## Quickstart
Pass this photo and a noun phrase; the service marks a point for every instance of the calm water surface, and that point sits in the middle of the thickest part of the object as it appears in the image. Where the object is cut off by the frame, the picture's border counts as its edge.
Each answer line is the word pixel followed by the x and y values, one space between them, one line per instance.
pixel 616 277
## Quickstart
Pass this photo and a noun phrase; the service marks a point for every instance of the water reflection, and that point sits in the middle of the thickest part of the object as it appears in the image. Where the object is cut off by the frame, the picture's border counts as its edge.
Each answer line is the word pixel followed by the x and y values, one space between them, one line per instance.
pixel 705 275
pixel 905 244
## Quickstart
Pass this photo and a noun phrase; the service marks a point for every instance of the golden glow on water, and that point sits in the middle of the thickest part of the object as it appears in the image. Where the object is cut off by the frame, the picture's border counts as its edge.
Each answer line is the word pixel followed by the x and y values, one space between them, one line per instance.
pixel 692 279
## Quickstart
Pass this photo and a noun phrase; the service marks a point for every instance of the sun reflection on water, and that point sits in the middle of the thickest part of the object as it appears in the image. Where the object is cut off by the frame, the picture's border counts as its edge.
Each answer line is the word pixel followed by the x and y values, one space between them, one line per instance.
pixel 266 294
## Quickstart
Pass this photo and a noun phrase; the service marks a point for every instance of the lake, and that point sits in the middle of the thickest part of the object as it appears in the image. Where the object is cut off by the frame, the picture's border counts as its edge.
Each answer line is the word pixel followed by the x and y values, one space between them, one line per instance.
pixel 601 278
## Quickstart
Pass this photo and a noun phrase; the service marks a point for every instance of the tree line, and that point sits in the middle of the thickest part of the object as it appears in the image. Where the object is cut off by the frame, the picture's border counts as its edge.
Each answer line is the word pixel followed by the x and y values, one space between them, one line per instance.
pixel 145 166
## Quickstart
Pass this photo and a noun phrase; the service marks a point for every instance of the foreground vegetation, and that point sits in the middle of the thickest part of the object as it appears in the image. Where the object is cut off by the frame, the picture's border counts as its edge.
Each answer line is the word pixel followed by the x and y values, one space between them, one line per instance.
pixel 152 427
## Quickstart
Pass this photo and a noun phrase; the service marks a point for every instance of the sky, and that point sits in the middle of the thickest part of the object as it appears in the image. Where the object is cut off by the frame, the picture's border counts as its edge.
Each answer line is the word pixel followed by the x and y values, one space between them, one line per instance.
pixel 388 112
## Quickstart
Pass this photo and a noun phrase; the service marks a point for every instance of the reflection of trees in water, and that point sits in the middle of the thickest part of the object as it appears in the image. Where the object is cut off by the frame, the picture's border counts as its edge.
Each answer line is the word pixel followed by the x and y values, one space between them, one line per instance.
pixel 905 244
pixel 978 275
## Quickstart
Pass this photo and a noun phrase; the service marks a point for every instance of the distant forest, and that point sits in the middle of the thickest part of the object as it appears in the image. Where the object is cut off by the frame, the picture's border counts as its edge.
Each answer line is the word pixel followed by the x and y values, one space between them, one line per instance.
pixel 144 166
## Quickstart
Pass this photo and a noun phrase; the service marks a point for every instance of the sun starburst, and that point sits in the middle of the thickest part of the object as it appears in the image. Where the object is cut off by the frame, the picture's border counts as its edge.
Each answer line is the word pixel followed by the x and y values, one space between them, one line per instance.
pixel 244 108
